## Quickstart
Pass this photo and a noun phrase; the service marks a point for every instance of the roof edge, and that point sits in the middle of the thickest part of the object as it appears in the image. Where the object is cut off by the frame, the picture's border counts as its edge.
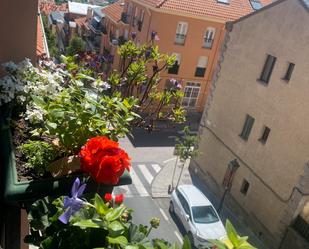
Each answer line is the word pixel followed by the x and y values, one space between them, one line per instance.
pixel 258 11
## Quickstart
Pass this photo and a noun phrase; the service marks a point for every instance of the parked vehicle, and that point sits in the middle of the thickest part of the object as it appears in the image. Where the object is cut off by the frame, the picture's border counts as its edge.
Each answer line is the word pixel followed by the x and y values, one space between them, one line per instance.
pixel 197 215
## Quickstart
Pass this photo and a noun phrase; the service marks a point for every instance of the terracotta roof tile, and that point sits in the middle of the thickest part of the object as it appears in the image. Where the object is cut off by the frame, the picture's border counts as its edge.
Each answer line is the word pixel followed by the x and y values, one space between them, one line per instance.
pixel 40 49
pixel 81 21
pixel 114 10
pixel 47 7
pixel 227 12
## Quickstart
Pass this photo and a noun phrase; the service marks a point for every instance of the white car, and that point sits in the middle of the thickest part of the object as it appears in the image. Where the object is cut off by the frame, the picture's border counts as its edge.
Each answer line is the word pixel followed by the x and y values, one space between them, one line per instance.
pixel 197 215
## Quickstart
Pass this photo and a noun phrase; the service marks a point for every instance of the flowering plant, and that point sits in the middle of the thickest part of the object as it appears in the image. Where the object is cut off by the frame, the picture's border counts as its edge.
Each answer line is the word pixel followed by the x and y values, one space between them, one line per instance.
pixel 104 160
pixel 79 223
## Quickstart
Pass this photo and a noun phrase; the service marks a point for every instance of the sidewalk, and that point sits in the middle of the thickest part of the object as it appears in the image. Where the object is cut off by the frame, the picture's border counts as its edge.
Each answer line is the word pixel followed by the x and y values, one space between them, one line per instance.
pixel 161 184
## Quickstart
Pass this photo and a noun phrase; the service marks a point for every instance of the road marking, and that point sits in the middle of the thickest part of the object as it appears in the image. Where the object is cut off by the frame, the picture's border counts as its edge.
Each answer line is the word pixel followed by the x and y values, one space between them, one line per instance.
pixel 168 160
pixel 178 236
pixel 138 184
pixel 156 167
pixel 163 214
pixel 123 190
pixel 148 176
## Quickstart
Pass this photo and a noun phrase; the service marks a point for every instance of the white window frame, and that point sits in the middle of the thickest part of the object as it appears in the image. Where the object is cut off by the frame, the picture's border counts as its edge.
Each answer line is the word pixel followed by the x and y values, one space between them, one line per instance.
pixel 192 85
pixel 209 37
pixel 181 32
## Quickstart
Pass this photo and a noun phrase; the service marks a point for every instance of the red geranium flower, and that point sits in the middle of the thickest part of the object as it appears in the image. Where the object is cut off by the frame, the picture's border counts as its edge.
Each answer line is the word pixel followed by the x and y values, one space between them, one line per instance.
pixel 108 197
pixel 119 199
pixel 104 160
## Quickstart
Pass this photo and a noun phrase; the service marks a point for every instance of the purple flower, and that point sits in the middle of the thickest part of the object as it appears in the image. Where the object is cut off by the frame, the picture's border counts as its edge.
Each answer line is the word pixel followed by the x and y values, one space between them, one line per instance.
pixel 173 81
pixel 74 203
pixel 148 53
pixel 133 35
pixel 153 35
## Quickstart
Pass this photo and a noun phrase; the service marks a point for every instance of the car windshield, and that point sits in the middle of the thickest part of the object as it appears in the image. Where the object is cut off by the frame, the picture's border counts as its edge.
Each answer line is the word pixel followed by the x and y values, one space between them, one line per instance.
pixel 204 214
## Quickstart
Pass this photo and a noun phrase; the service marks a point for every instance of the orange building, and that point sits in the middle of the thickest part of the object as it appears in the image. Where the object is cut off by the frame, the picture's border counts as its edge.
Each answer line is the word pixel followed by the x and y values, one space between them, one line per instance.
pixel 193 30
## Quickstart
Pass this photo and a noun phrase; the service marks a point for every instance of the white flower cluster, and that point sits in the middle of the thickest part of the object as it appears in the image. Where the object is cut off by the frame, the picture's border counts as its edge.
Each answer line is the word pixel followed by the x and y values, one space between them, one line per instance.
pixel 24 80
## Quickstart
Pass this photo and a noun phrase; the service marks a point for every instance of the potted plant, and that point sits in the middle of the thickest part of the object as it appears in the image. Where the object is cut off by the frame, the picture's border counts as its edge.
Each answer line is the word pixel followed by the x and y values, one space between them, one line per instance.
pixel 95 222
pixel 55 114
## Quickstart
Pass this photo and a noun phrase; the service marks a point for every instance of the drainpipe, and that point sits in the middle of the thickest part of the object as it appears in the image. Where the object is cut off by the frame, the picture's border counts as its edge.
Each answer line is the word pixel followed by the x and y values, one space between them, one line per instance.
pixel 44 36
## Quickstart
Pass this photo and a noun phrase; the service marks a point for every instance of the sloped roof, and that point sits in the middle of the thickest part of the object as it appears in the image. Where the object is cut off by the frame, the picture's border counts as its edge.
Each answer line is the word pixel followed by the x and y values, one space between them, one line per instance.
pixel 114 10
pixel 46 8
pixel 213 8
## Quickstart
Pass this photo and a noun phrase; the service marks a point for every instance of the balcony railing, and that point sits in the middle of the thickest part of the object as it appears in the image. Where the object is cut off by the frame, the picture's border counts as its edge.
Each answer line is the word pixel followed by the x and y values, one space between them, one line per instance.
pixel 174 69
pixel 208 43
pixel 125 18
pixel 180 39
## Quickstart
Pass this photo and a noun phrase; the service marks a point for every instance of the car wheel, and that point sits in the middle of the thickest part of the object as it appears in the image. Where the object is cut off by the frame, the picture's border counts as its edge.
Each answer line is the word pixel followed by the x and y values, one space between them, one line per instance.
pixel 171 208
pixel 191 239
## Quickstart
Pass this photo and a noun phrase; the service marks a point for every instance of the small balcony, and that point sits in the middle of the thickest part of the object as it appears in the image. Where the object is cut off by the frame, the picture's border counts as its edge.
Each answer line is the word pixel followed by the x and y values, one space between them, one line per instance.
pixel 139 25
pixel 180 39
pixel 208 43
pixel 174 69
pixel 200 72
pixel 125 18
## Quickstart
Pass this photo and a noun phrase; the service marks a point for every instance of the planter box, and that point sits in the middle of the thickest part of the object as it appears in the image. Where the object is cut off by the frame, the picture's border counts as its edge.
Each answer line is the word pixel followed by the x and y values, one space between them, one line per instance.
pixel 28 191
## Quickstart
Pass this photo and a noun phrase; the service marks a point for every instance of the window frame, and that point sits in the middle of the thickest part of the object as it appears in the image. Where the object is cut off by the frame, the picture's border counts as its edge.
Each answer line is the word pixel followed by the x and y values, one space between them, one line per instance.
pixel 192 85
pixel 181 33
pixel 244 187
pixel 265 135
pixel 247 127
pixel 289 71
pixel 175 68
pixel 268 69
pixel 200 70
pixel 209 37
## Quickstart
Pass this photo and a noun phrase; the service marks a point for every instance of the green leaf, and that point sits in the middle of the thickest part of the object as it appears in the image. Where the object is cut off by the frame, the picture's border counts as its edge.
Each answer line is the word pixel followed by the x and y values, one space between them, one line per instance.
pixel 121 240
pixel 232 234
pixel 116 226
pixel 51 125
pixel 38 101
pixel 186 243
pixel 115 213
pixel 131 247
pixel 86 224
pixel 100 206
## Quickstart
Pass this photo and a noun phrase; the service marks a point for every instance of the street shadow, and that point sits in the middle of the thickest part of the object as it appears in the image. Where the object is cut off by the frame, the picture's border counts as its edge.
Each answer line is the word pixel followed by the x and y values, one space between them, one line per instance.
pixel 157 138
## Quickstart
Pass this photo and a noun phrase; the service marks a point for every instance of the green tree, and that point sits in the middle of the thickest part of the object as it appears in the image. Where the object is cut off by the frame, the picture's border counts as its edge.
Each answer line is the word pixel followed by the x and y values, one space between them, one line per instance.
pixel 76 46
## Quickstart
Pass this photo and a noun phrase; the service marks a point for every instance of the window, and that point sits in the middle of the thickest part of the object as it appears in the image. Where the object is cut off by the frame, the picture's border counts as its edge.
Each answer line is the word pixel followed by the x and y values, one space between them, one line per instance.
pixel 183 202
pixel 256 4
pixel 191 94
pixel 135 18
pixel 174 69
pixel 244 187
pixel 140 22
pixel 268 68
pixel 201 66
pixel 209 37
pixel 265 135
pixel 181 32
pixel 247 127
pixel 126 34
pixel 223 1
pixel 289 72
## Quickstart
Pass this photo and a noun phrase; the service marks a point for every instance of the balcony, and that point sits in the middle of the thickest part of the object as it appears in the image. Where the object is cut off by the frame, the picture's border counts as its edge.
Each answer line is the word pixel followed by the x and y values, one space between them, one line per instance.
pixel 174 69
pixel 125 18
pixel 208 43
pixel 180 39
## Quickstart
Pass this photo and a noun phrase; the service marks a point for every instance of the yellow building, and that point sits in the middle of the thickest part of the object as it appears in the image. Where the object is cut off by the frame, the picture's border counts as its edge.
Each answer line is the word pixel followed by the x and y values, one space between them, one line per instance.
pixel 191 30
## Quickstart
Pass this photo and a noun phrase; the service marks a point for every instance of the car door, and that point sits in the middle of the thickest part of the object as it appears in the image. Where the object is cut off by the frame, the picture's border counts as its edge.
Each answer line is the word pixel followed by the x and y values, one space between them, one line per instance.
pixel 184 212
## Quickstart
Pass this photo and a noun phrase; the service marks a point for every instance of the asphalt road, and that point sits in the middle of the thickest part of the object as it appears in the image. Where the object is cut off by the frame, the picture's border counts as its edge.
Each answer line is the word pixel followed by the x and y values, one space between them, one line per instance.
pixel 145 208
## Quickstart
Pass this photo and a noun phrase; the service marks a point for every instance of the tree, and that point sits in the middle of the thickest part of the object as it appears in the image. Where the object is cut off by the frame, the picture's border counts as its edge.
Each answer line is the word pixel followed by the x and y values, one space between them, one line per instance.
pixel 76 46
pixel 139 78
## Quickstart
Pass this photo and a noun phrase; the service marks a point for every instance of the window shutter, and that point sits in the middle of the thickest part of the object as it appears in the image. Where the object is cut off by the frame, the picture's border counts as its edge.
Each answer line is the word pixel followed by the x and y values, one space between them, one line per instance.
pixel 202 62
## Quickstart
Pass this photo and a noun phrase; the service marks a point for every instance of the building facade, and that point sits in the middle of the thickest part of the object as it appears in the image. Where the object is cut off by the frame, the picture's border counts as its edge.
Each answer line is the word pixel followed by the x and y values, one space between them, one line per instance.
pixel 258 115
pixel 193 31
